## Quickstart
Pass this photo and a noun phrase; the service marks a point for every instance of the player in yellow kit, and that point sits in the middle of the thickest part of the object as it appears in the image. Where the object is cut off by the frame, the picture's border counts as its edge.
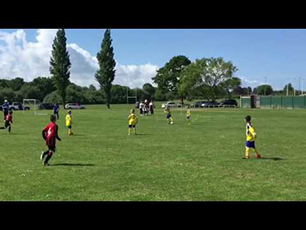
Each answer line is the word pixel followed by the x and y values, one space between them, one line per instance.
pixel 250 136
pixel 188 115
pixel 133 120
pixel 69 122
pixel 168 115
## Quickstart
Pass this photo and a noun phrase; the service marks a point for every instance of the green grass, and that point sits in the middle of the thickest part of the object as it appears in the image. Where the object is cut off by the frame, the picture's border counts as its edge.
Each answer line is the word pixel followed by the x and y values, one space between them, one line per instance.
pixel 199 162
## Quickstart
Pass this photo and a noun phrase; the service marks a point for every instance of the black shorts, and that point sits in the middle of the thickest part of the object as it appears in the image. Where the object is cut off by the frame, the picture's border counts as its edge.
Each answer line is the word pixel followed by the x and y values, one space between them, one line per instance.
pixel 51 148
pixel 7 124
pixel 131 126
pixel 69 127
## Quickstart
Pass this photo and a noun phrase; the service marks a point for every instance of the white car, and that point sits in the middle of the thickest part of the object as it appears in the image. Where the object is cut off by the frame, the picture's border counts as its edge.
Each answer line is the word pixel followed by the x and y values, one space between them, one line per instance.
pixel 169 104
pixel 74 106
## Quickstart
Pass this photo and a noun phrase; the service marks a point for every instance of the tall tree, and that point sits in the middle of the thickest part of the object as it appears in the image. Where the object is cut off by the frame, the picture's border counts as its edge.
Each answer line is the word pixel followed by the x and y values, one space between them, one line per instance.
pixel 264 90
pixel 149 89
pixel 205 77
pixel 106 73
pixel 60 64
pixel 168 78
pixel 288 88
pixel 230 85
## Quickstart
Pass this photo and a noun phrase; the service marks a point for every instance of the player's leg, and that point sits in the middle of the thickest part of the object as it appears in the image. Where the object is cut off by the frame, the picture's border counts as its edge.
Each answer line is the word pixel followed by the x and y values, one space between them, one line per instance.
pixel 9 128
pixel 247 152
pixel 49 154
pixel 134 128
pixel 129 130
pixel 171 120
pixel 257 155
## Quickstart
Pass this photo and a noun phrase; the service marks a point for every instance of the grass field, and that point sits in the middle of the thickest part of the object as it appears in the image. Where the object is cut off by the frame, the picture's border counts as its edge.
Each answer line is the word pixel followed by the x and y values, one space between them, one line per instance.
pixel 199 162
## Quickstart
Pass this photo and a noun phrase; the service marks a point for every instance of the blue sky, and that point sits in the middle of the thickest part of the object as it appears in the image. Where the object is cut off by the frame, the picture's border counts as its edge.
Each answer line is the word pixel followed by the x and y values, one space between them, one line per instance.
pixel 278 55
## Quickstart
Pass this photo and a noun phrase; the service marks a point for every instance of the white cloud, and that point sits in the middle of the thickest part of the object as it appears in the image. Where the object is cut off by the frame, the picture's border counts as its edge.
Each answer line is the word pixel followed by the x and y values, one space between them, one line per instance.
pixel 253 83
pixel 19 58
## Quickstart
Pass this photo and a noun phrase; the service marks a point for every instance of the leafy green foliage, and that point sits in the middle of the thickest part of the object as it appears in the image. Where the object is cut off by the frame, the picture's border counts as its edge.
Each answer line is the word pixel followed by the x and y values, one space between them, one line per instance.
pixel 60 64
pixel 168 78
pixel 207 77
pixel 106 73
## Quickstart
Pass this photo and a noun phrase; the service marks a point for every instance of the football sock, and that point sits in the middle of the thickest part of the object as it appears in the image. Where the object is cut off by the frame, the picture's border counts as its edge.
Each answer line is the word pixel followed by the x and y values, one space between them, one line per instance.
pixel 48 157
pixel 2 128
pixel 247 152
pixel 9 129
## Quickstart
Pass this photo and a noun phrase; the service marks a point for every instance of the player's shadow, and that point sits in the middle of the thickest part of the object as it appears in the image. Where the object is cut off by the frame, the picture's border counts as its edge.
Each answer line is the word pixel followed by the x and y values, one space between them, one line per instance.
pixel 272 158
pixel 75 165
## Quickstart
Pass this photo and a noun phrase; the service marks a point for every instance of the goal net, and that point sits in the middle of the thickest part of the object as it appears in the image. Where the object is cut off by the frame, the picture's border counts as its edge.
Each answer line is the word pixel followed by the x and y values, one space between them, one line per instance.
pixel 34 106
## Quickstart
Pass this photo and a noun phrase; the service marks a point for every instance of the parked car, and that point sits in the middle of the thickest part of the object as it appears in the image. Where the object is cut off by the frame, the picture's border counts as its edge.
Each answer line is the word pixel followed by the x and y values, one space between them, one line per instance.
pixel 74 106
pixel 18 106
pixel 210 104
pixel 198 104
pixel 229 103
pixel 169 104
pixel 46 106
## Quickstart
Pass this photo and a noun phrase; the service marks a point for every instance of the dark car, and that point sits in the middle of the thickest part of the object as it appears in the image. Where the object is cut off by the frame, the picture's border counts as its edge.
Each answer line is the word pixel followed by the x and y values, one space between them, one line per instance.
pixel 229 103
pixel 210 104
pixel 198 104
pixel 46 106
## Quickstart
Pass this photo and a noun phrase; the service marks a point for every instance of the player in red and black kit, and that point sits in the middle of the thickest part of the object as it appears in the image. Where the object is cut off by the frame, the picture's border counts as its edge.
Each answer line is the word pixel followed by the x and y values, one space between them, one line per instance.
pixel 8 121
pixel 50 134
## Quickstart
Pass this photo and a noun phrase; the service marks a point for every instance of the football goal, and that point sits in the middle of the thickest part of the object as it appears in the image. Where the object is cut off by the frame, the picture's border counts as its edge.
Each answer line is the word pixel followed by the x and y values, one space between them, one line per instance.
pixel 34 105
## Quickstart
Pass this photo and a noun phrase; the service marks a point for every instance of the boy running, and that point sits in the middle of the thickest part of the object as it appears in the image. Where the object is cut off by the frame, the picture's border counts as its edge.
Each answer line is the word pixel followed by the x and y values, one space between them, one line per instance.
pixel 250 136
pixel 8 121
pixel 133 120
pixel 168 115
pixel 188 115
pixel 69 122
pixel 50 134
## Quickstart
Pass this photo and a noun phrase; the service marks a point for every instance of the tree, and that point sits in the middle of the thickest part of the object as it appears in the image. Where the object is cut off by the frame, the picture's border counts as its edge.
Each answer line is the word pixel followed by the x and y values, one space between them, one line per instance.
pixel 149 90
pixel 230 85
pixel 290 89
pixel 16 84
pixel 106 73
pixel 206 77
pixel 264 90
pixel 60 64
pixel 168 78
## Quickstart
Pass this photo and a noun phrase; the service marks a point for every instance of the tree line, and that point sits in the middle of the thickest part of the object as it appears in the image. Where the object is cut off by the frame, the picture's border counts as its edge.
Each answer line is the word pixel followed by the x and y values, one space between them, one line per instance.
pixel 179 78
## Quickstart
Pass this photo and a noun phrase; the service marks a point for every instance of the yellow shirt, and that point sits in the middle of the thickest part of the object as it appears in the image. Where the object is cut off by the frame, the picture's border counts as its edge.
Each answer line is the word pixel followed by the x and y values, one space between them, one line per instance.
pixel 250 132
pixel 167 111
pixel 188 114
pixel 132 119
pixel 68 120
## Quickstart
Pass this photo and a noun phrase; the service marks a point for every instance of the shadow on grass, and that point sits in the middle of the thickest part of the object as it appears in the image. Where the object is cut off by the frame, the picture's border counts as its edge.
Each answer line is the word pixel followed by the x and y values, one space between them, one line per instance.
pixel 267 158
pixel 272 158
pixel 78 134
pixel 76 165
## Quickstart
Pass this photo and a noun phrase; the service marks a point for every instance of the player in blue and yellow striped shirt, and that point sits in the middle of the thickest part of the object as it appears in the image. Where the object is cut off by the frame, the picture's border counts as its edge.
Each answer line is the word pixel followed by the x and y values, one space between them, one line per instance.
pixel 250 136
pixel 168 115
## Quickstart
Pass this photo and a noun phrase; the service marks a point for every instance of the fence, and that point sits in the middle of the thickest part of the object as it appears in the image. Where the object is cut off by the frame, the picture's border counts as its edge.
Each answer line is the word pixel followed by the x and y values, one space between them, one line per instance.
pixel 288 102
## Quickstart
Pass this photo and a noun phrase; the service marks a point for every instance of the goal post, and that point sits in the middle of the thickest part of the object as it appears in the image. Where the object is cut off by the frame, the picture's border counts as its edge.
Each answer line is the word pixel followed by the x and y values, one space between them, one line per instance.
pixel 34 105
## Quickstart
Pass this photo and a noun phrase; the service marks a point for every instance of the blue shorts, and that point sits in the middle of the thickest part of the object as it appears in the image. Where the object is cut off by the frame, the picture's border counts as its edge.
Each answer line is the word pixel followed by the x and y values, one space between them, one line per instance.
pixel 131 126
pixel 250 144
pixel 168 116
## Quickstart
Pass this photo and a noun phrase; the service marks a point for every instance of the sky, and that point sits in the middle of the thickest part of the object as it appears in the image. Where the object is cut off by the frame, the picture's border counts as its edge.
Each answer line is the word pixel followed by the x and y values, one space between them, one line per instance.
pixel 274 56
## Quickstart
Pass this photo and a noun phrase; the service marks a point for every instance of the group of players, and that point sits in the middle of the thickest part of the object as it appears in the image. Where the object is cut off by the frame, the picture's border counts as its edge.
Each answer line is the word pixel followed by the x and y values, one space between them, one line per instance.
pixel 250 130
pixel 50 132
